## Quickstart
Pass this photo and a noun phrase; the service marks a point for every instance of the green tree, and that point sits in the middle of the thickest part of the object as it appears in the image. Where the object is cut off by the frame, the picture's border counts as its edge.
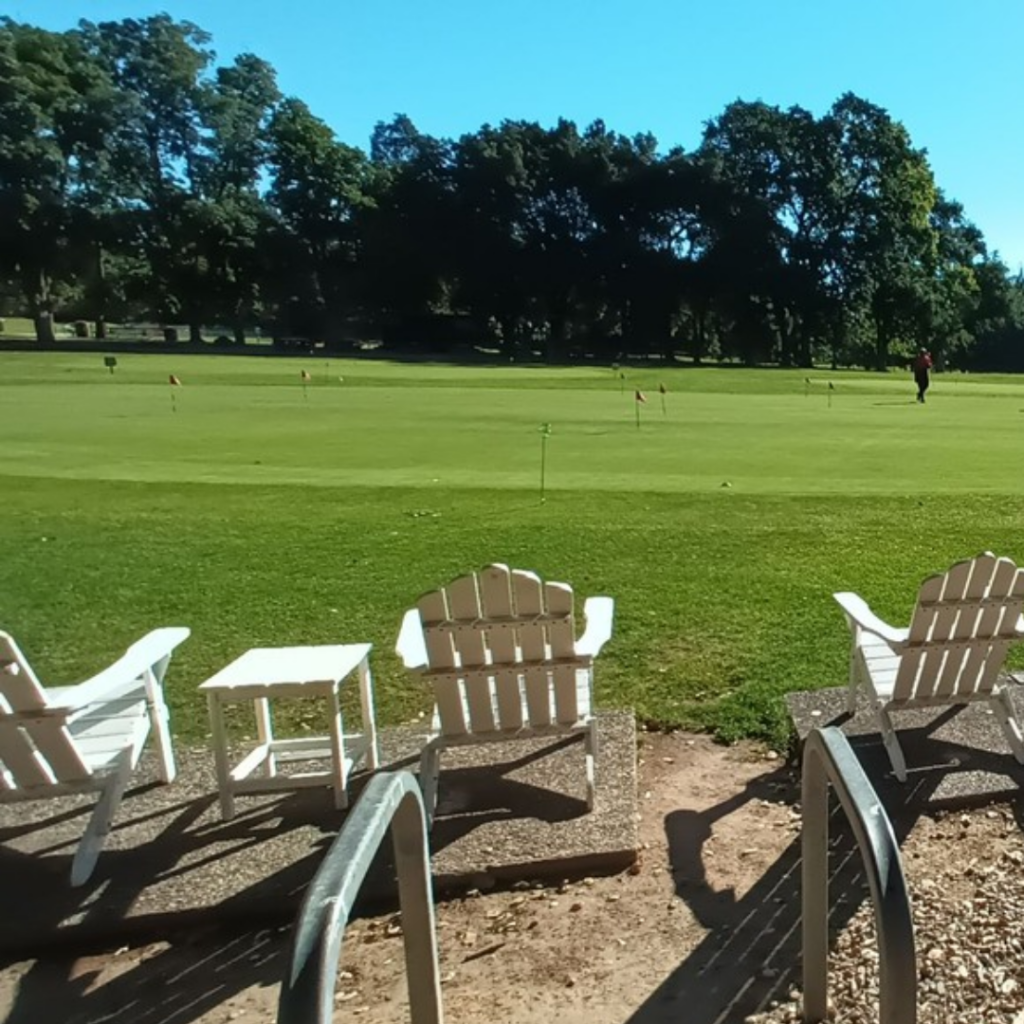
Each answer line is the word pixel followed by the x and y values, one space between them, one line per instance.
pixel 318 184
pixel 156 154
pixel 234 222
pixel 881 237
pixel 53 109
pixel 407 260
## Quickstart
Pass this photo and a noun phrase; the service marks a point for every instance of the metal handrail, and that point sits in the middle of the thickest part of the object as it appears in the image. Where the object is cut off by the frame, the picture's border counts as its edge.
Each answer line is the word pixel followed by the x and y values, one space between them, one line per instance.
pixel 828 757
pixel 391 799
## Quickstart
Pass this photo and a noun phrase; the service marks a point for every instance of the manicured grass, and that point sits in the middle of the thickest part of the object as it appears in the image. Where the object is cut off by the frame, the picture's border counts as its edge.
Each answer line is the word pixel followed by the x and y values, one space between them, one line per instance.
pixel 259 512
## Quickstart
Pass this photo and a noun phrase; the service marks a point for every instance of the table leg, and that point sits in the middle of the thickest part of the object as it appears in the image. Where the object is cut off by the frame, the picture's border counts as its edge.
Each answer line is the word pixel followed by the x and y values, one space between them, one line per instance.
pixel 338 751
pixel 369 715
pixel 220 755
pixel 265 731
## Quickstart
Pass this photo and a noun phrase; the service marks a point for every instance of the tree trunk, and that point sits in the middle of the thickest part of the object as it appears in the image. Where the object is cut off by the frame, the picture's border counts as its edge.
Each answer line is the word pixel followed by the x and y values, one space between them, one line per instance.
pixel 44 327
pixel 239 333
pixel 881 345
pixel 699 337
pixel 101 293
pixel 804 346
pixel 195 333
pixel 41 300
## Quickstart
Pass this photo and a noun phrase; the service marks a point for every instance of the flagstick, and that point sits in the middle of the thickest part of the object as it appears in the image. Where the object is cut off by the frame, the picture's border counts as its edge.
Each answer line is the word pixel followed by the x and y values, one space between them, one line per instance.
pixel 543 461
pixel 305 394
pixel 637 404
pixel 622 383
pixel 174 403
pixel 664 411
pixel 545 433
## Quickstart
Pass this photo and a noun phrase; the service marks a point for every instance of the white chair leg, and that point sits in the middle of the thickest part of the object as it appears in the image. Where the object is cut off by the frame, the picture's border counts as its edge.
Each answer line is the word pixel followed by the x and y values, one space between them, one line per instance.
pixel 892 745
pixel 430 770
pixel 159 718
pixel 101 821
pixel 1004 711
pixel 590 753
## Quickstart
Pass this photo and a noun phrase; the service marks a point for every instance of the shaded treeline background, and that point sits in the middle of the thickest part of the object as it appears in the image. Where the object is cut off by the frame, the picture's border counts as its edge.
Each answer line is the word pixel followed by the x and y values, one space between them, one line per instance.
pixel 142 182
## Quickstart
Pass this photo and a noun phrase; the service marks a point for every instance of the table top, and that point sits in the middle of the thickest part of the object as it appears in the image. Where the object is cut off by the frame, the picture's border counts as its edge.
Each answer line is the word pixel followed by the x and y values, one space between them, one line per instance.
pixel 293 666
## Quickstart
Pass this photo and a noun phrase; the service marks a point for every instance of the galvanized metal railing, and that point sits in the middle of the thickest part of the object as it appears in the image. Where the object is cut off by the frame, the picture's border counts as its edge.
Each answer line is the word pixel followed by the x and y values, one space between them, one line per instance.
pixel 307 993
pixel 828 757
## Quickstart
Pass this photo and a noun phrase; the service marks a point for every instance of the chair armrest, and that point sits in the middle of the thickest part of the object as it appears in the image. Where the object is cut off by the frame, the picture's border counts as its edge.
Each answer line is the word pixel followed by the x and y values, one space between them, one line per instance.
pixel 857 611
pixel 410 646
pixel 599 612
pixel 124 674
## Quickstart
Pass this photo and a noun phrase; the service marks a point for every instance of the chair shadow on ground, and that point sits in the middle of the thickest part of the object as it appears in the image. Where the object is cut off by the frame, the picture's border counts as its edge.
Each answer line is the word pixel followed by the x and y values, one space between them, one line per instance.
pixel 751 954
pixel 209 959
pixel 205 964
pixel 503 797
pixel 749 957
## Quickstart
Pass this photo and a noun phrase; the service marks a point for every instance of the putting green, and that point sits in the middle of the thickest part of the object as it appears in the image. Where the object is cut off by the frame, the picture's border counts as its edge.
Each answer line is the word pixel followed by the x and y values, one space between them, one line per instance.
pixel 260 511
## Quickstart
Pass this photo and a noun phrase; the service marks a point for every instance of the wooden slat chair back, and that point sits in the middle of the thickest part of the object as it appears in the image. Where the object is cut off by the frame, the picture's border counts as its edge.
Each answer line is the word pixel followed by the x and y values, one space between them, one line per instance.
pixel 953 651
pixel 500 651
pixel 494 638
pixel 56 741
pixel 960 632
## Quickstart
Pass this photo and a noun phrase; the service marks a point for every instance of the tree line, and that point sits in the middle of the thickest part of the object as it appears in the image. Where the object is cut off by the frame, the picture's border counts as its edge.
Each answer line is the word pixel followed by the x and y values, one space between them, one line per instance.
pixel 140 180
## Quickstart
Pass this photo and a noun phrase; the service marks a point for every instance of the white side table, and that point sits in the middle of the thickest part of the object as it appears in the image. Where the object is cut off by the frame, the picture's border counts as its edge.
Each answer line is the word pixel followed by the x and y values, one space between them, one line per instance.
pixel 266 673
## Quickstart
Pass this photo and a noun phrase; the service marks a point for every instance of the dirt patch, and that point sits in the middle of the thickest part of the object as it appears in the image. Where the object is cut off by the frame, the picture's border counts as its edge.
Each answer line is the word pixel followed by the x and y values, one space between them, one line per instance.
pixel 705 928
pixel 712 821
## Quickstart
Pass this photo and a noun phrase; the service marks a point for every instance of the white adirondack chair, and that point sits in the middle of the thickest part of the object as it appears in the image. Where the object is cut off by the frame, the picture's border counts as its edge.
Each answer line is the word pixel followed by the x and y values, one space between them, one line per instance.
pixel 500 650
pixel 85 738
pixel 952 652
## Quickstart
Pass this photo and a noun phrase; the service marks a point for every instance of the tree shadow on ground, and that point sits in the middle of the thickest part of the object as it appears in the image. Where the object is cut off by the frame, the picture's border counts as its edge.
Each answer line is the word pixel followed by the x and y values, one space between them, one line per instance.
pixel 217 950
pixel 749 957
pixel 751 954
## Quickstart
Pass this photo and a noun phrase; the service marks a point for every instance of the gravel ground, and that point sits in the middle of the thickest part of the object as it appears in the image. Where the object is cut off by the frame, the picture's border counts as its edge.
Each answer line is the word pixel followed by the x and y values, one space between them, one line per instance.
pixel 965 874
pixel 705 929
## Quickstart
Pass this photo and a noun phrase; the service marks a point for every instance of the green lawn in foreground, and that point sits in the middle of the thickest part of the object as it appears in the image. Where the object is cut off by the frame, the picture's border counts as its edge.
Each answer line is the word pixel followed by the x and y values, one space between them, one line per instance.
pixel 259 513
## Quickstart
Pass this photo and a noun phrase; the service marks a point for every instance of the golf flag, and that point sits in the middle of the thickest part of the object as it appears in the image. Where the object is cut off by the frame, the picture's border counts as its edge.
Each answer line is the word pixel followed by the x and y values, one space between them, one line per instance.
pixel 175 383
pixel 641 398
pixel 306 377
pixel 662 389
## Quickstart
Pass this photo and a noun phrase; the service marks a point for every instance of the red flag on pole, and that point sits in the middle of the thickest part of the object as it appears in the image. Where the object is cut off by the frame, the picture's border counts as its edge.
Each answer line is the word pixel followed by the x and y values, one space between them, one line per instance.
pixel 641 397
pixel 174 382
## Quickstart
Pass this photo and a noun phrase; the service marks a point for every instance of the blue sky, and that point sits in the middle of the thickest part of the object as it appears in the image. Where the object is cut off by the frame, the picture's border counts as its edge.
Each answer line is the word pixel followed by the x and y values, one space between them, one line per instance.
pixel 950 71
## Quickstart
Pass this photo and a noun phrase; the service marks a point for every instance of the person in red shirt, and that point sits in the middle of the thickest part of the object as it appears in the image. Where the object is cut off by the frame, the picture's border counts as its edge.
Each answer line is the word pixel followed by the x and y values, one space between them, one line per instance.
pixel 922 364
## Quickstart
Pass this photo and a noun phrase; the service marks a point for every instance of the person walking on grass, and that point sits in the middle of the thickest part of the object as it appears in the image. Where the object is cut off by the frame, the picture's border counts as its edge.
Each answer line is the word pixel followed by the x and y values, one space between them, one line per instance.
pixel 922 364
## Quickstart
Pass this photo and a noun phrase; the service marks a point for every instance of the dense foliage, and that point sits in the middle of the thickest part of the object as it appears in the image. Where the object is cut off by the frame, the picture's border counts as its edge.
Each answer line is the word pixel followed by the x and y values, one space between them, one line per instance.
pixel 140 181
